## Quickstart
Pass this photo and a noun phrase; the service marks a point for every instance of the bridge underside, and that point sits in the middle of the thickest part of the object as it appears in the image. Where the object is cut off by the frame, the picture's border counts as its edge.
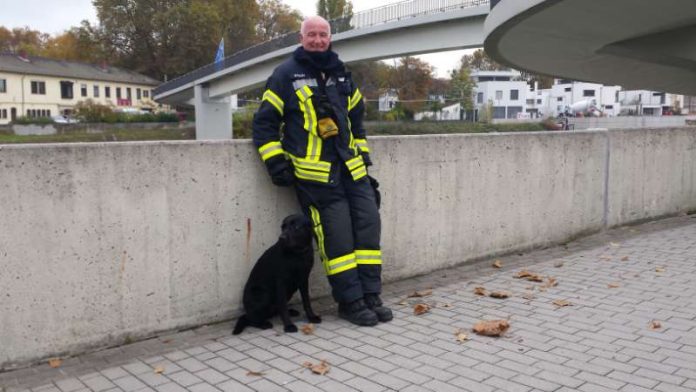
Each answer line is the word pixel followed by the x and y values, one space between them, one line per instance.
pixel 638 45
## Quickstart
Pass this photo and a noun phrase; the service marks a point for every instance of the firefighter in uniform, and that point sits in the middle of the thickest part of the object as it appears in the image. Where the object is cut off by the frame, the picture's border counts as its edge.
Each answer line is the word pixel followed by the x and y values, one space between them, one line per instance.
pixel 313 103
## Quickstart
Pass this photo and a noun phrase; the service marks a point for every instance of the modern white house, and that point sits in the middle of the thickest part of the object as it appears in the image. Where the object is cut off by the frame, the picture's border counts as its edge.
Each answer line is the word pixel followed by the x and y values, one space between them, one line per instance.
pixel 39 87
pixel 651 103
pixel 581 98
pixel 502 93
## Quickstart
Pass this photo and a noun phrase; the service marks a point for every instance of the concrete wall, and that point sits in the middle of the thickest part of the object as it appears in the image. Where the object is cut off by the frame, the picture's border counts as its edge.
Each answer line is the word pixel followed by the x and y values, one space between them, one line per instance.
pixel 629 122
pixel 103 242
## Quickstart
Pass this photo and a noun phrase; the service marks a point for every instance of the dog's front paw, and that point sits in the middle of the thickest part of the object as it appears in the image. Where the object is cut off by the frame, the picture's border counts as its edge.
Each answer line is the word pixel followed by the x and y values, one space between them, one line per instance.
pixel 314 319
pixel 290 328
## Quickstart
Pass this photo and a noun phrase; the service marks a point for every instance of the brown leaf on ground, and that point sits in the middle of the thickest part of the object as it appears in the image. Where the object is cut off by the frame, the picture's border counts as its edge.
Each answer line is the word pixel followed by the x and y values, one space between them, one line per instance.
pixel 655 325
pixel 461 336
pixel 255 374
pixel 605 257
pixel 498 264
pixel 419 294
pixel 559 264
pixel 530 276
pixel 500 294
pixel 625 258
pixel 562 302
pixel 55 362
pixel 419 309
pixel 613 285
pixel 528 296
pixel 551 282
pixel 480 290
pixel 659 269
pixel 159 370
pixel 491 327
pixel 307 329
pixel 321 368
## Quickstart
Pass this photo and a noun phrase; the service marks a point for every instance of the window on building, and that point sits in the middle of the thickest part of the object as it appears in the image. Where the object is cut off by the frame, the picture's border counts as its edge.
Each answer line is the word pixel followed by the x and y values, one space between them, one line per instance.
pixel 514 95
pixel 83 90
pixel 530 102
pixel 137 94
pixel 609 107
pixel 66 89
pixel 38 87
pixel 128 93
pixel 588 93
pixel 538 101
pixel 559 99
pixel 499 112
pixel 499 95
pixel 146 93
pixel 118 92
pixel 95 91
pixel 479 97
pixel 3 86
pixel 107 91
pixel 3 113
pixel 567 89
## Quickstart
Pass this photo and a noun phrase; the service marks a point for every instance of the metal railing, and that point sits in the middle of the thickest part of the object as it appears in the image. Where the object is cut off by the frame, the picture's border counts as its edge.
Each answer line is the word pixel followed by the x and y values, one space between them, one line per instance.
pixel 359 20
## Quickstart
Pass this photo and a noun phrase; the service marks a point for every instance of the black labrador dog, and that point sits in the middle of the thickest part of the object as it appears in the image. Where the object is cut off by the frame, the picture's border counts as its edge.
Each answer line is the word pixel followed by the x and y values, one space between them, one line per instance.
pixel 278 274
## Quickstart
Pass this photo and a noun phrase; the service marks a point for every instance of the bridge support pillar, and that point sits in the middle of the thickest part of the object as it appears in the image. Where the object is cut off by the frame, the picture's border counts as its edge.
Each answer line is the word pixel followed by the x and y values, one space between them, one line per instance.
pixel 213 117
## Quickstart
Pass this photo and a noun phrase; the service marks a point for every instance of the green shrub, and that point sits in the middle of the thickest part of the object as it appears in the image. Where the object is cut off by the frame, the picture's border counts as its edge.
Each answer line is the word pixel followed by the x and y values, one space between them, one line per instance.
pixel 33 120
pixel 241 121
pixel 92 112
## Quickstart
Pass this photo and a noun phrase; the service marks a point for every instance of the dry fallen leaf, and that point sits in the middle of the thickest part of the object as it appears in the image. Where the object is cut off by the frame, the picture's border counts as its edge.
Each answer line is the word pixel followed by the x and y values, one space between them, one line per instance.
pixel 528 296
pixel 255 374
pixel 419 309
pixel 307 329
pixel 480 290
pixel 605 257
pixel 562 303
pixel 530 276
pixel 55 362
pixel 498 264
pixel 613 285
pixel 159 370
pixel 625 258
pixel 461 336
pixel 551 282
pixel 491 327
pixel 655 325
pixel 559 264
pixel 419 294
pixel 615 244
pixel 659 269
pixel 321 368
pixel 499 294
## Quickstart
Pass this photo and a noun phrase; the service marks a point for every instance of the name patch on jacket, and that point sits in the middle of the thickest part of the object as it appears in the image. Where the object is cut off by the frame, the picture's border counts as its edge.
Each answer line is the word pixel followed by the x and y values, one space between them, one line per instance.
pixel 299 83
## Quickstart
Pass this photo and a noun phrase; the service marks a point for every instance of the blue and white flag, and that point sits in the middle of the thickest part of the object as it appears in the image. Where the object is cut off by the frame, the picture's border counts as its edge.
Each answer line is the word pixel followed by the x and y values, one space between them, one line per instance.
pixel 220 55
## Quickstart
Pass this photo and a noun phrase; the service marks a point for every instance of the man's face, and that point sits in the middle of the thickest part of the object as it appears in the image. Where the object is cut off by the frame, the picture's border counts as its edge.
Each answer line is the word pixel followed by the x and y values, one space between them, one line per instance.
pixel 316 36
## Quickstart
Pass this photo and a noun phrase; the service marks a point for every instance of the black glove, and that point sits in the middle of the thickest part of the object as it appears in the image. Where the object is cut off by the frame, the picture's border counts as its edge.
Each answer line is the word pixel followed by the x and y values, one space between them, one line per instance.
pixel 281 171
pixel 375 186
pixel 366 158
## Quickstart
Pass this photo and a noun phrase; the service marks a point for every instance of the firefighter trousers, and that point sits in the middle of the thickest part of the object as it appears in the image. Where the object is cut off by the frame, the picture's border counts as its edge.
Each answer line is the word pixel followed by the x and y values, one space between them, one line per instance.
pixel 347 228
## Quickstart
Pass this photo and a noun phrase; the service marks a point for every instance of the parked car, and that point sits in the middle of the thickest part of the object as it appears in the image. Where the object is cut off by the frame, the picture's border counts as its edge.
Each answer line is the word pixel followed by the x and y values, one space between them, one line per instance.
pixel 62 119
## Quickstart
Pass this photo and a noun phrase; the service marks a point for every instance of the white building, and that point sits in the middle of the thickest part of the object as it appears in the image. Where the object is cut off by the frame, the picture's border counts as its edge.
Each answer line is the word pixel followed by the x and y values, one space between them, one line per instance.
pixel 451 112
pixel 582 98
pixel 387 100
pixel 650 103
pixel 500 91
pixel 40 87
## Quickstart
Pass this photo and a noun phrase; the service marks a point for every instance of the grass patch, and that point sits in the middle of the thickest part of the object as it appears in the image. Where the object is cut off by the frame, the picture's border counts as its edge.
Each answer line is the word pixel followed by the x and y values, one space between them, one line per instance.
pixel 121 135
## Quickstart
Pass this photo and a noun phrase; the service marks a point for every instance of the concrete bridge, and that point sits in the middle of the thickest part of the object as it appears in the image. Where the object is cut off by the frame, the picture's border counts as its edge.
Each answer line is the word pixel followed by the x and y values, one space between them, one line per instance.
pixel 405 28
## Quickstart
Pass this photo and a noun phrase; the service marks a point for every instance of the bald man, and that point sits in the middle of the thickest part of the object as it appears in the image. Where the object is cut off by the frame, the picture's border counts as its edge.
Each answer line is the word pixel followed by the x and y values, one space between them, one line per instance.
pixel 323 153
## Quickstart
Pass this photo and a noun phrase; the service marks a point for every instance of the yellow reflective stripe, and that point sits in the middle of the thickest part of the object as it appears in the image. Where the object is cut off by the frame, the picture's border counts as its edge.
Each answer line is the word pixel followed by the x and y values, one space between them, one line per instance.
pixel 270 149
pixel 354 163
pixel 313 147
pixel 274 100
pixel 319 166
pixel 310 116
pixel 358 174
pixel 311 175
pixel 352 101
pixel 341 264
pixel 373 257
pixel 362 143
pixel 319 232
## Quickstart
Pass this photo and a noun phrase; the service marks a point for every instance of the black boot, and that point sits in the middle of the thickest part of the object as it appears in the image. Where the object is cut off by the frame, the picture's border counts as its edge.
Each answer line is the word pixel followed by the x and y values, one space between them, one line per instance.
pixel 373 302
pixel 357 313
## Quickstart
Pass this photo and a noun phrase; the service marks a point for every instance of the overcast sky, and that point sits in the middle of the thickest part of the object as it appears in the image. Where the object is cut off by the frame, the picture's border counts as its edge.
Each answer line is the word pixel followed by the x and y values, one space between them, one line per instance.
pixel 55 16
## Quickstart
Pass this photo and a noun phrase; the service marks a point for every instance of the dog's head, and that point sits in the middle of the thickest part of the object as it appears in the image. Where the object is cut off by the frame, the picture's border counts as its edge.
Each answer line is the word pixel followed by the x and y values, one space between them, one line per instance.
pixel 296 232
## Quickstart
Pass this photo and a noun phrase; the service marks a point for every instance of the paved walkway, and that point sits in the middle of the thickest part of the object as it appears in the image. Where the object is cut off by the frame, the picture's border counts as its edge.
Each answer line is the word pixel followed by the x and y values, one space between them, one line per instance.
pixel 631 326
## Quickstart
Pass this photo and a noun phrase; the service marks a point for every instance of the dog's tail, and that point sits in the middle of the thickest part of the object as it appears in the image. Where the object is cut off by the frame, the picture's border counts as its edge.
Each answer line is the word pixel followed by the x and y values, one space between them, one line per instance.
pixel 242 323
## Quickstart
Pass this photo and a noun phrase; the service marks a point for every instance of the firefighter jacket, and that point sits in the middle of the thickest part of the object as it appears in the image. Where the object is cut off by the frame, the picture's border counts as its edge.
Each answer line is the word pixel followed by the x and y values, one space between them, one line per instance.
pixel 285 128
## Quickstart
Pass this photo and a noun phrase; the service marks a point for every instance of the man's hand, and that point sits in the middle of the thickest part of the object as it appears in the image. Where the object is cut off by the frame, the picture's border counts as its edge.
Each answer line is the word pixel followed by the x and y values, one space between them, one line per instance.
pixel 284 177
